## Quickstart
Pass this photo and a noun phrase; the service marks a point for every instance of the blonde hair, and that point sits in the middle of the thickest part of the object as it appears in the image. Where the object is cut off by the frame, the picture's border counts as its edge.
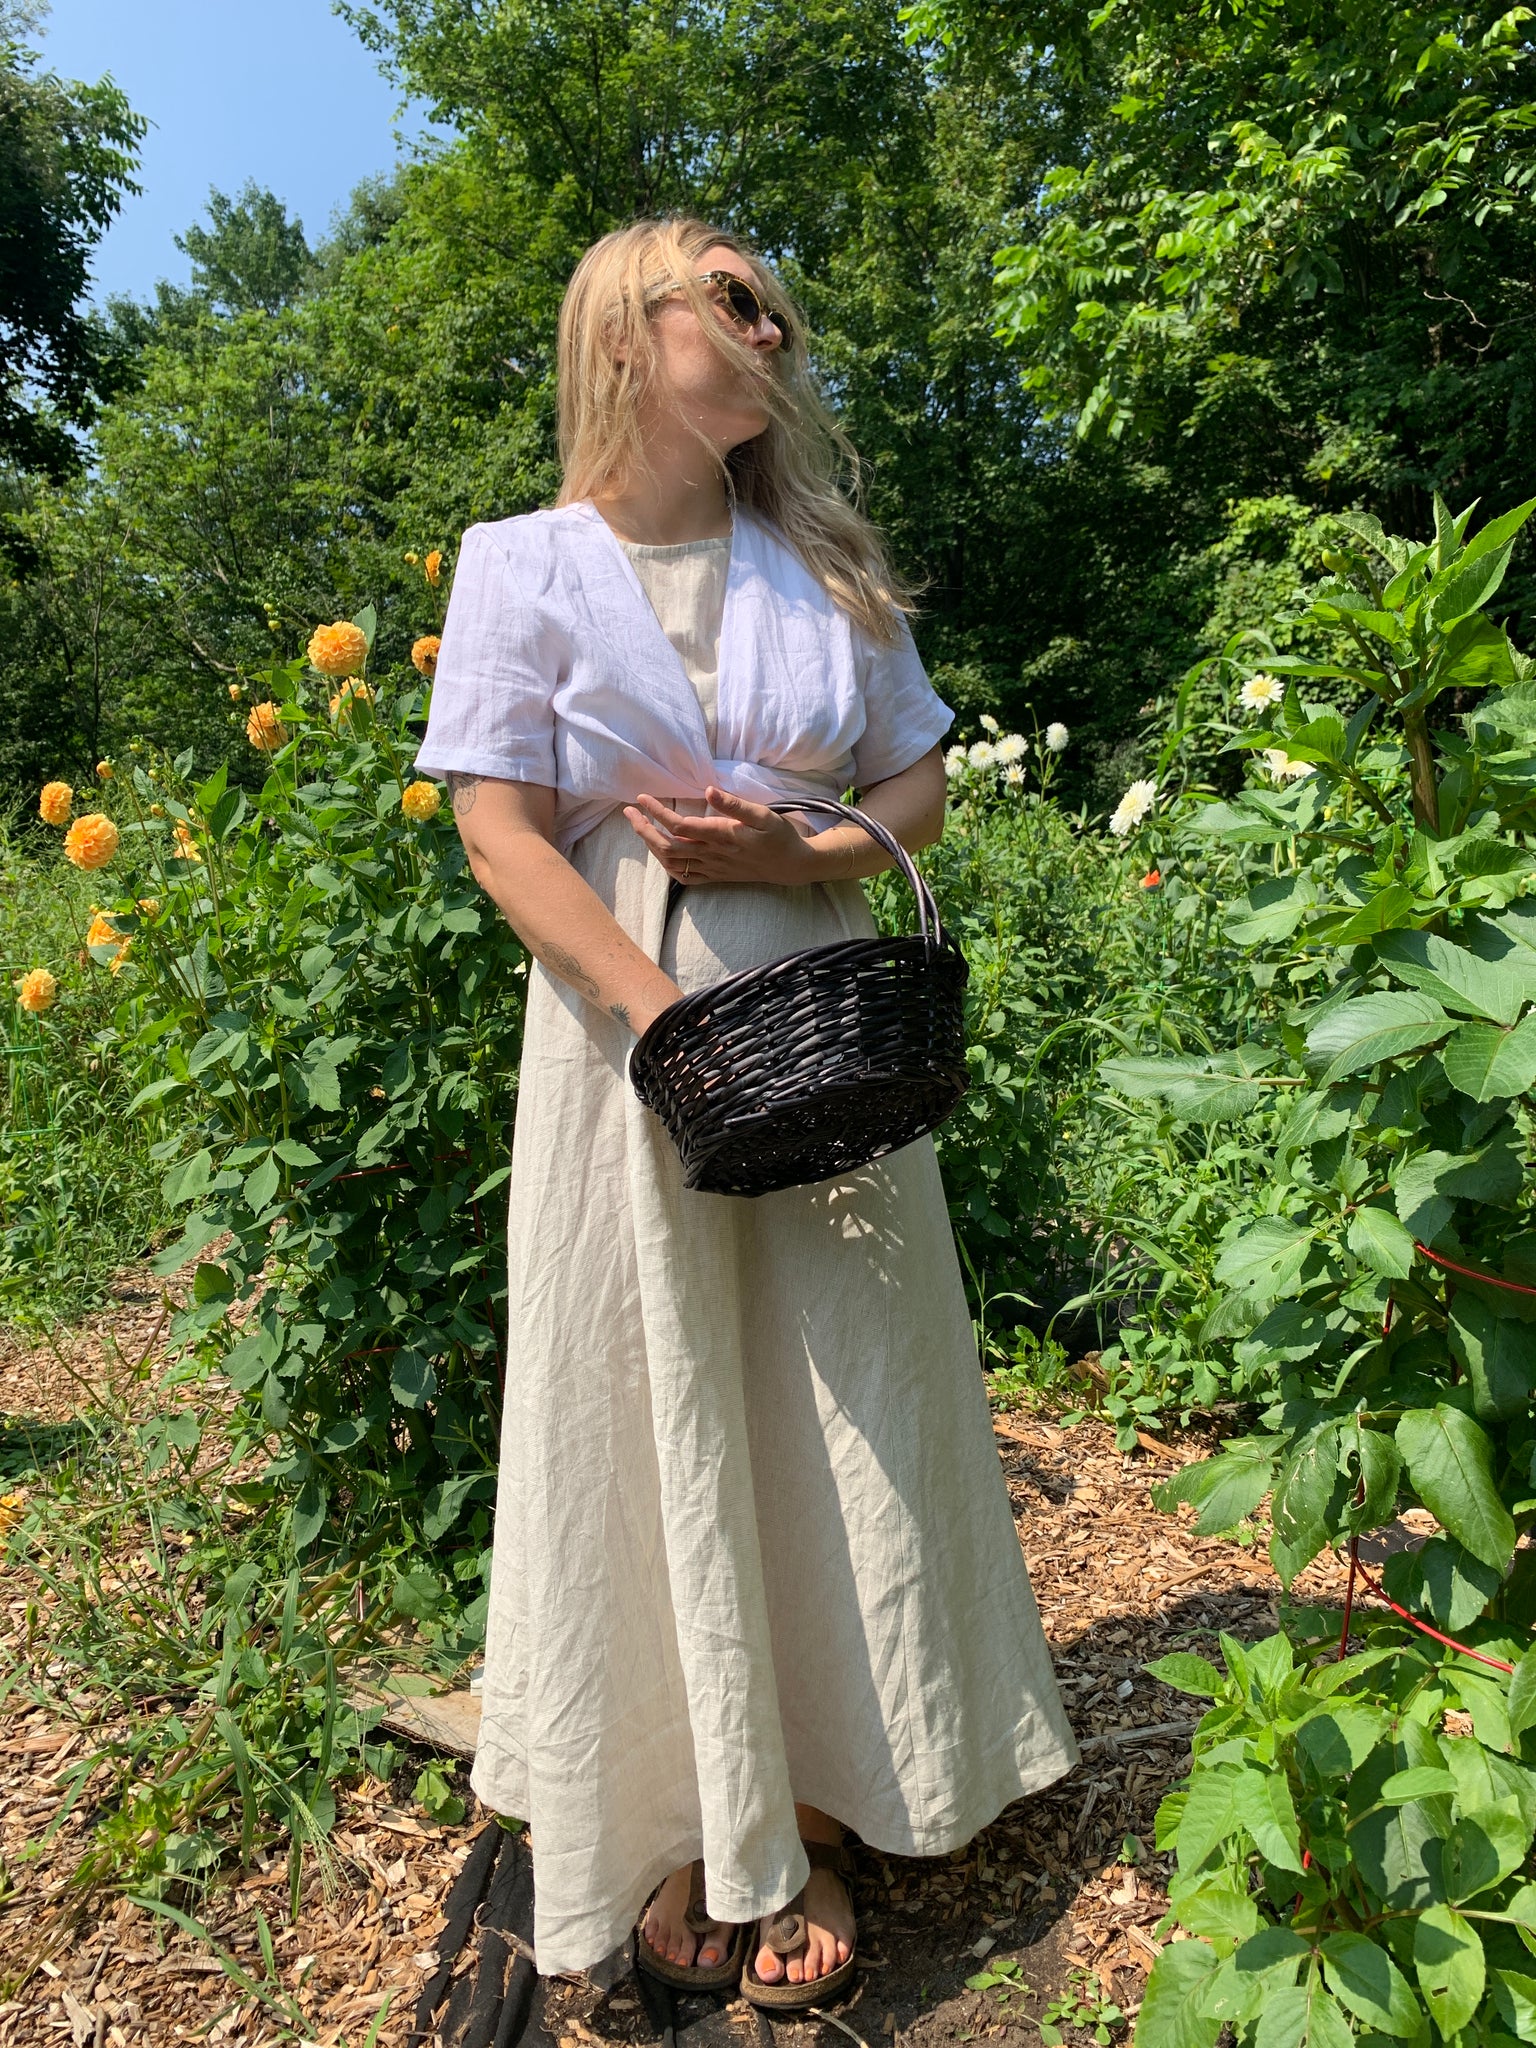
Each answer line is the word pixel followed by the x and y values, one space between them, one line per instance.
pixel 797 474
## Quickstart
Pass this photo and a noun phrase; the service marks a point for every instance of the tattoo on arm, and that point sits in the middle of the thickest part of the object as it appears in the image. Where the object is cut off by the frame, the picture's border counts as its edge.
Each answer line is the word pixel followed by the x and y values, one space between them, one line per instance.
pixel 463 790
pixel 621 1011
pixel 570 969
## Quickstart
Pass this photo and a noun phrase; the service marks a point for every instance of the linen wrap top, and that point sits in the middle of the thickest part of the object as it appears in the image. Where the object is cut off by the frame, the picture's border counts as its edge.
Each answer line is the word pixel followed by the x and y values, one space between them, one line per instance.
pixel 554 669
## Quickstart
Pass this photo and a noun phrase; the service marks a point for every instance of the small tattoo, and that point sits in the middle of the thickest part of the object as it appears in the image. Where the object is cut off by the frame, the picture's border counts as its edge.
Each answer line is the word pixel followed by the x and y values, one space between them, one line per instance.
pixel 621 1011
pixel 570 969
pixel 463 789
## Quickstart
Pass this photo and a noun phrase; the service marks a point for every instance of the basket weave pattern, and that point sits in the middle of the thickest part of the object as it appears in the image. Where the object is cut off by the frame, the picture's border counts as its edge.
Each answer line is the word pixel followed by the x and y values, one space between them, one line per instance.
pixel 815 1064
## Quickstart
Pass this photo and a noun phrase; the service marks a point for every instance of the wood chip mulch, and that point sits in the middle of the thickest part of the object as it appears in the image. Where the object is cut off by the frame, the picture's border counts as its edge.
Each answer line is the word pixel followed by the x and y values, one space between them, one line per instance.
pixel 1046 1885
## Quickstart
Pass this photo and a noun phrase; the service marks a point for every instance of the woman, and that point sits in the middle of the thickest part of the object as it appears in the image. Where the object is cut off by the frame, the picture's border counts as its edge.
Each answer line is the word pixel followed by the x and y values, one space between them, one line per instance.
pixel 755 1577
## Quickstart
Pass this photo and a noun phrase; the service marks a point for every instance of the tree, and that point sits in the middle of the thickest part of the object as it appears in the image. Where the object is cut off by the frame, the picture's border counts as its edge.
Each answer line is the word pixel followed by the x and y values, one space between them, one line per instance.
pixel 252 258
pixel 67 156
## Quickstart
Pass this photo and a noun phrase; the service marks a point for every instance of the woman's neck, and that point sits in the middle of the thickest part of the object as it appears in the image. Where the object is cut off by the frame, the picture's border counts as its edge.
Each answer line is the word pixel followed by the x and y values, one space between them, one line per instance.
pixel 677 502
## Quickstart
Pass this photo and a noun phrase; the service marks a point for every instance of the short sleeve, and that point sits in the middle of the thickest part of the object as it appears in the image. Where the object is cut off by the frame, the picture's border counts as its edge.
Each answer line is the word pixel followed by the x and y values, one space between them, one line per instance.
pixel 493 695
pixel 904 715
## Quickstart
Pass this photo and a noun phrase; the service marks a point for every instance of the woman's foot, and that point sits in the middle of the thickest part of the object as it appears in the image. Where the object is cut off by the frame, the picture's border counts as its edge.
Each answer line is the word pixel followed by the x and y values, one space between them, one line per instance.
pixel 827 1910
pixel 666 1930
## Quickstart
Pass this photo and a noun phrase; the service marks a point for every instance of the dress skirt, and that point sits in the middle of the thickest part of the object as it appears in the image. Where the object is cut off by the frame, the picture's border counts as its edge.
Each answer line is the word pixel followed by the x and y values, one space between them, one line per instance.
pixel 752 1538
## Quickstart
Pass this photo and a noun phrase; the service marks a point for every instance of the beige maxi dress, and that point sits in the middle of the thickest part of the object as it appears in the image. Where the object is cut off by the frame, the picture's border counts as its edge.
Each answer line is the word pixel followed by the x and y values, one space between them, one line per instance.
pixel 752 1539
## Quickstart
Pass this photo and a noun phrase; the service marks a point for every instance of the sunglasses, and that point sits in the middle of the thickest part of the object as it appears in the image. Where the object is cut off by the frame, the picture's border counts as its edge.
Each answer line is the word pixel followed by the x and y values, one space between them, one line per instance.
pixel 741 302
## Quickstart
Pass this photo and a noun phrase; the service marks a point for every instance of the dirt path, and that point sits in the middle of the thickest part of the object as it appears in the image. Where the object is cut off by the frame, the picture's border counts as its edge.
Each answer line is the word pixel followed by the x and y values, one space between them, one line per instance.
pixel 1045 1892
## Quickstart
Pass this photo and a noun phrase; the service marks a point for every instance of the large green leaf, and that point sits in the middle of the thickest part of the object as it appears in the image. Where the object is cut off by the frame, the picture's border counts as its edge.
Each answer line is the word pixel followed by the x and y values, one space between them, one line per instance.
pixel 1376 1237
pixel 1264 1806
pixel 1210 1813
pixel 1273 909
pixel 1450 1461
pixel 1364 1977
pixel 1448 1957
pixel 1442 1580
pixel 1427 1185
pixel 1482 1850
pixel 1267 1257
pixel 1223 1489
pixel 1262 1965
pixel 1304 2015
pixel 1459 978
pixel 1522 1694
pixel 1202 1091
pixel 1498 1354
pixel 1368 1029
pixel 1487 1063
pixel 1514 1996
pixel 1170 2008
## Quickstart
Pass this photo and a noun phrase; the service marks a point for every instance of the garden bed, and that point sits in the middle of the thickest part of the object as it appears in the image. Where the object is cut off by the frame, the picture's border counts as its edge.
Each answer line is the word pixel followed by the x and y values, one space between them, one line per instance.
pixel 1061 1894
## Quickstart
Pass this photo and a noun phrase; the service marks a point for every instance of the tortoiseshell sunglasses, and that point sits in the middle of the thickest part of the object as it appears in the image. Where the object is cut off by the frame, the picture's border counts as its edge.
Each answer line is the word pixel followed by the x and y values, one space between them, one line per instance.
pixel 741 302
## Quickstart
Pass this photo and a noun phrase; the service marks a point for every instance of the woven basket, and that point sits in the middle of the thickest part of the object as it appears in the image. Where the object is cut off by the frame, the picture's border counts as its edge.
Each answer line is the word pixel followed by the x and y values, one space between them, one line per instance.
pixel 815 1064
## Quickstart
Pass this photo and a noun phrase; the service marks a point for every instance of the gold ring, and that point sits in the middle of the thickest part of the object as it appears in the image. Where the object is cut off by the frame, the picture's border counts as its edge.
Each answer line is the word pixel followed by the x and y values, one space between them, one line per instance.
pixel 687 870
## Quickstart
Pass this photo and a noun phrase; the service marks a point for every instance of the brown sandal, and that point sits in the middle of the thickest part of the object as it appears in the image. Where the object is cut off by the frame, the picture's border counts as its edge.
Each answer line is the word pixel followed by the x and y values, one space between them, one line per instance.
pixel 788 1933
pixel 721 1976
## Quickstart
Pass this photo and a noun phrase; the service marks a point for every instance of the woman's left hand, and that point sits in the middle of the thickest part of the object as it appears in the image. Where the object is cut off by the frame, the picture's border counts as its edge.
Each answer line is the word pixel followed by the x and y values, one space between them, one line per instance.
pixel 736 842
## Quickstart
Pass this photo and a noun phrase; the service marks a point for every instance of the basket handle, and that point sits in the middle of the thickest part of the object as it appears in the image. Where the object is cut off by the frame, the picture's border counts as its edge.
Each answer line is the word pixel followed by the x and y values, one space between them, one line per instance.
pixel 928 925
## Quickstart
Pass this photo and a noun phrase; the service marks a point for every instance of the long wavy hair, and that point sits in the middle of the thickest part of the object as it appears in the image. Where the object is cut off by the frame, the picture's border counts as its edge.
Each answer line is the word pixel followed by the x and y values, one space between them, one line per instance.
pixel 801 473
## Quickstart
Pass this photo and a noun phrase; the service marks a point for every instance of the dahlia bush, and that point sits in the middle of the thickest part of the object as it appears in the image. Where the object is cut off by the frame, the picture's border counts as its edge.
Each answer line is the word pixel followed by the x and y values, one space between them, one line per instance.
pixel 327 1013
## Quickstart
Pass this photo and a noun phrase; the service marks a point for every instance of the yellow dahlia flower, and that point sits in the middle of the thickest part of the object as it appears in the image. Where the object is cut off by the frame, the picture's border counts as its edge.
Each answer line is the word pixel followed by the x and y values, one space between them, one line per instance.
pixel 37 991
pixel 425 652
pixel 421 800
pixel 185 847
pixel 53 806
pixel 91 841
pixel 265 730
pixel 349 697
pixel 149 906
pixel 338 650
pixel 432 567
pixel 104 771
pixel 413 558
pixel 236 692
pixel 11 1505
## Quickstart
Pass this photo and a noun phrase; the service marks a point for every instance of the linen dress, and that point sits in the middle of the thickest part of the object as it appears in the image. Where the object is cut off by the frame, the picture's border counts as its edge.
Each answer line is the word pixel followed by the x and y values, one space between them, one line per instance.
pixel 752 1540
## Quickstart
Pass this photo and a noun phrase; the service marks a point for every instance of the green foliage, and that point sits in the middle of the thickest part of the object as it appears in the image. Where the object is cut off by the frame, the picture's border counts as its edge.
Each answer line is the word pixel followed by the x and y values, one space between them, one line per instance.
pixel 1348 1867
pixel 67 157
pixel 326 1012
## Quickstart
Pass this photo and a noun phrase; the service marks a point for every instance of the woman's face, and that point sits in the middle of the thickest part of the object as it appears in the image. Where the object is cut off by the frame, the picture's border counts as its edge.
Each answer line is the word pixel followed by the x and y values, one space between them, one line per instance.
pixel 713 395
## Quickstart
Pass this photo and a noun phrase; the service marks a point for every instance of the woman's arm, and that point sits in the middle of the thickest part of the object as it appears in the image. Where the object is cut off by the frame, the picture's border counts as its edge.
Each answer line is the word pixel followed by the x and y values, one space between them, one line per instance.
pixel 746 842
pixel 507 830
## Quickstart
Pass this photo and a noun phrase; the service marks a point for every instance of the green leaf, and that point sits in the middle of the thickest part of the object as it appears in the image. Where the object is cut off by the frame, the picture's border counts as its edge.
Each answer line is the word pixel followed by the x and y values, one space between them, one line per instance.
pixel 1303 2016
pixel 445 1501
pixel 1170 2010
pixel 1514 1998
pixel 212 1283
pixel 261 1184
pixel 412 1377
pixel 1263 1964
pixel 1198 1090
pixel 1522 1694
pixel 1450 1461
pixel 1339 1741
pixel 1363 1977
pixel 1210 1813
pixel 1368 1029
pixel 1459 978
pixel 1442 1580
pixel 1378 1239
pixel 1220 1914
pixel 1487 1063
pixel 1264 1806
pixel 1497 1353
pixel 1448 1957
pixel 1268 1256
pixel 1483 1849
pixel 308 1517
pixel 1186 1672
pixel 1273 910
pixel 1223 1489
pixel 1420 1781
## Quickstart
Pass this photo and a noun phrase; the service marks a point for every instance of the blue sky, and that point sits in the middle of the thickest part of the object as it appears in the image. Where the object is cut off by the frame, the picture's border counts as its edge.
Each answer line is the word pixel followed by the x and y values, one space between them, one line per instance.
pixel 276 90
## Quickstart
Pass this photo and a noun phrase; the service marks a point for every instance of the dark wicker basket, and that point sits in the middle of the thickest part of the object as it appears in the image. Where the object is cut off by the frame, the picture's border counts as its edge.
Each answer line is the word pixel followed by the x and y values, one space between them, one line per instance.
pixel 816 1064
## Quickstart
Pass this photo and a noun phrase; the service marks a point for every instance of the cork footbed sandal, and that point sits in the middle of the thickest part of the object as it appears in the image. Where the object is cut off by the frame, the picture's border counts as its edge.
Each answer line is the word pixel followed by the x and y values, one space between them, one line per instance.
pixel 722 1976
pixel 787 1934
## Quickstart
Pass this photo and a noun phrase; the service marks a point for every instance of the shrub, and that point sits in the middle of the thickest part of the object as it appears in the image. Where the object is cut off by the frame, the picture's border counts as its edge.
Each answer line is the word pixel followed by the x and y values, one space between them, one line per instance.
pixel 328 1010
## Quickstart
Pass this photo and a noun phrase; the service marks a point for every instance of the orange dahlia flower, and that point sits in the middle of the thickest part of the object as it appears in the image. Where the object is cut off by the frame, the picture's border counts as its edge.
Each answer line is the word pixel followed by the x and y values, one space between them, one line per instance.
pixel 91 841
pixel 338 650
pixel 185 847
pixel 425 652
pixel 53 806
pixel 104 771
pixel 103 932
pixel 421 800
pixel 432 567
pixel 37 991
pixel 236 692
pixel 119 959
pixel 265 730
pixel 349 697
